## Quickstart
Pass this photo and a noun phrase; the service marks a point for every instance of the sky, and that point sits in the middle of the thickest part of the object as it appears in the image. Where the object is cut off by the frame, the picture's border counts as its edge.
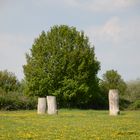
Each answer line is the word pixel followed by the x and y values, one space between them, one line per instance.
pixel 113 27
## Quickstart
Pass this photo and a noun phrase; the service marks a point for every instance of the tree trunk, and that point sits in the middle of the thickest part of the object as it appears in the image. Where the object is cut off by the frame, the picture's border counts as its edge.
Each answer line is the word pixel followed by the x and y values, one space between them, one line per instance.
pixel 41 107
pixel 51 103
pixel 113 102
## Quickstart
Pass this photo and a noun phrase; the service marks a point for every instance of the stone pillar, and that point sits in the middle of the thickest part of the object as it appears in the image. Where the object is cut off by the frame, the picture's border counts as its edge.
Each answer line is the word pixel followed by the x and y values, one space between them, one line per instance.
pixel 51 103
pixel 113 102
pixel 41 107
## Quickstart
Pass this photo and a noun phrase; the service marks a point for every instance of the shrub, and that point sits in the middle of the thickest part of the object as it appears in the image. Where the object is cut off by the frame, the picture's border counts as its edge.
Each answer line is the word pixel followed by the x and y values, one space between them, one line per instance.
pixel 124 104
pixel 135 105
pixel 16 101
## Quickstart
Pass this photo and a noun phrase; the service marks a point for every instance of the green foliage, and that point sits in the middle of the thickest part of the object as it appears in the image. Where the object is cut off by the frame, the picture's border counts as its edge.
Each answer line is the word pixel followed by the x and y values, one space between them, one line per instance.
pixel 8 81
pixel 113 80
pixel 133 90
pixel 135 105
pixel 132 94
pixel 11 93
pixel 62 63
pixel 101 101
pixel 16 101
pixel 124 104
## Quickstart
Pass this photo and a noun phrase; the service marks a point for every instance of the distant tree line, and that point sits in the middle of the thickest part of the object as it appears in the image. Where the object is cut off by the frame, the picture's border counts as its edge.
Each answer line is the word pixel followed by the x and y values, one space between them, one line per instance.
pixel 17 98
pixel 62 63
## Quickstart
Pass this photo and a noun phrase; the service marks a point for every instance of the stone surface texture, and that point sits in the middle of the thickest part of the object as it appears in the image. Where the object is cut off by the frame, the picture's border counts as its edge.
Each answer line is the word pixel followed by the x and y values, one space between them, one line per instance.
pixel 113 102
pixel 41 107
pixel 51 104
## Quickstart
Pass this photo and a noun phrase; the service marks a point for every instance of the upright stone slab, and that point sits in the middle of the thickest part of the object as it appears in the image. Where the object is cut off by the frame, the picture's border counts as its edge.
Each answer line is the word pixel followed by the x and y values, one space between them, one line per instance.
pixel 113 102
pixel 41 107
pixel 51 103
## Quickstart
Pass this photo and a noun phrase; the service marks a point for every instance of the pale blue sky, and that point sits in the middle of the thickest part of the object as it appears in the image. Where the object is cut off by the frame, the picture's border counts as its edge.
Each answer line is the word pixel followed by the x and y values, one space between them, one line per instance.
pixel 113 27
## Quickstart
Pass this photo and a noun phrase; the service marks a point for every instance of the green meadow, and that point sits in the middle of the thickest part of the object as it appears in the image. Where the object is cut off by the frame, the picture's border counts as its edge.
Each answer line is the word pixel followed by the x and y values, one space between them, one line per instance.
pixel 69 125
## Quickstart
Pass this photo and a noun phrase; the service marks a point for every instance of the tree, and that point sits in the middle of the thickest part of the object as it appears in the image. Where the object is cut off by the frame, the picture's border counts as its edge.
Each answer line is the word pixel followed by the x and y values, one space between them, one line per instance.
pixel 133 90
pixel 62 63
pixel 113 80
pixel 8 81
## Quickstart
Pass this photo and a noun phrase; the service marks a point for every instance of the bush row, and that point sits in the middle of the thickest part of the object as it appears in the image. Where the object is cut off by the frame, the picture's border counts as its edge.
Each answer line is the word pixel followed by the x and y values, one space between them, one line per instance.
pixel 16 101
pixel 135 105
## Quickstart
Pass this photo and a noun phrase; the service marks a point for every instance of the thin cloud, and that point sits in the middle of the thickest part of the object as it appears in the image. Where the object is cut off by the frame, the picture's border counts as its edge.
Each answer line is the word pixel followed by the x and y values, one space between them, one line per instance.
pixel 89 5
pixel 108 32
pixel 116 45
pixel 110 5
pixel 115 31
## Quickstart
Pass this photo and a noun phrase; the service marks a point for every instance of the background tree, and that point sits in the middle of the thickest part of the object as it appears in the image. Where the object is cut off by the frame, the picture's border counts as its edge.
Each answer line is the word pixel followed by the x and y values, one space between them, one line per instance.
pixel 62 62
pixel 133 90
pixel 133 94
pixel 112 80
pixel 8 81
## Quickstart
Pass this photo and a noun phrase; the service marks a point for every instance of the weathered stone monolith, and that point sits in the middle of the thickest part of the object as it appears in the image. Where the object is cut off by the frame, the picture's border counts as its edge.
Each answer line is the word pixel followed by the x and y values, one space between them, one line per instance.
pixel 51 104
pixel 41 107
pixel 113 102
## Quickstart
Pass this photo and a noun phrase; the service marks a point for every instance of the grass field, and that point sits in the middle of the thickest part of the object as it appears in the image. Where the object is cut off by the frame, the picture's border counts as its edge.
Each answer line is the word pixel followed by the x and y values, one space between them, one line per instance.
pixel 69 125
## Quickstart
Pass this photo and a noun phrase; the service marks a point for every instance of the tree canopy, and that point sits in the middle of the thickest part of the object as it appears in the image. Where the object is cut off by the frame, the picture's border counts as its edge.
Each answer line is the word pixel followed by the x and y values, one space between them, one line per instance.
pixel 8 81
pixel 113 80
pixel 62 62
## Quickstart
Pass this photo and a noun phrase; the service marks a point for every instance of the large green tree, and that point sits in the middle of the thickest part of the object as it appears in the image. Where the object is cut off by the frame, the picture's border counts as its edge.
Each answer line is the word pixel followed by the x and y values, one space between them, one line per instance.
pixel 62 62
